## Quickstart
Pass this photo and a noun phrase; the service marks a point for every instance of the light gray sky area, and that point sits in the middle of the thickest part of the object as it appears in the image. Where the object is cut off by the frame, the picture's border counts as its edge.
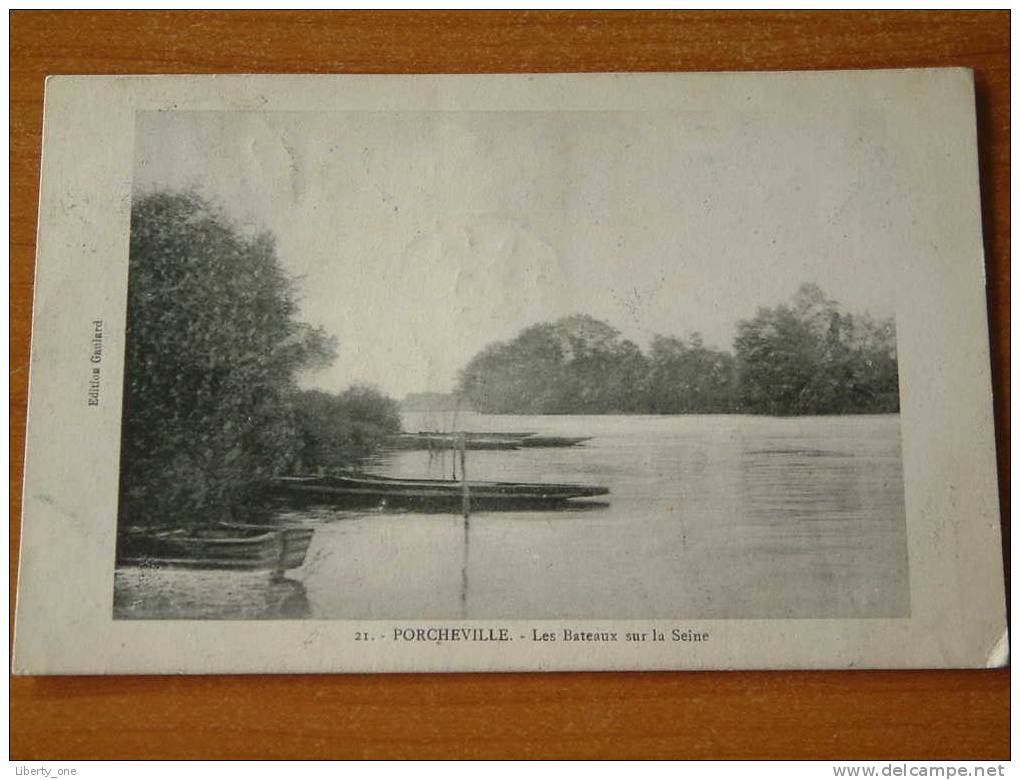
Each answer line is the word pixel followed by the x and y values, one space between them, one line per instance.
pixel 421 237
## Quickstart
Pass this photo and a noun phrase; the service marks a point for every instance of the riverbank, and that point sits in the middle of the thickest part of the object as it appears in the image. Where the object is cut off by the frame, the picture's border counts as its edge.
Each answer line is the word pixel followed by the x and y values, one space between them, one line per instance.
pixel 716 516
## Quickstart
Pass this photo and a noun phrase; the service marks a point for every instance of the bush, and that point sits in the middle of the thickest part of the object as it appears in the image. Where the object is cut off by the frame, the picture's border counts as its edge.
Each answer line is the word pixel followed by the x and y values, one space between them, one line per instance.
pixel 337 431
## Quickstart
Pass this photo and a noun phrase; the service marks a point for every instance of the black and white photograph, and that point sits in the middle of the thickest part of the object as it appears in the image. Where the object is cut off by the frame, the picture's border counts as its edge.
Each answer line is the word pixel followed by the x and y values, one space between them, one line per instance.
pixel 509 364
pixel 471 373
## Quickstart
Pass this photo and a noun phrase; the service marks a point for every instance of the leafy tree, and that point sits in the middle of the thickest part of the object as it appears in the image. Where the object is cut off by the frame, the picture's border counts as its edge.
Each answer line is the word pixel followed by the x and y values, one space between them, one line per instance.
pixel 575 365
pixel 602 369
pixel 213 350
pixel 685 377
pixel 776 353
pixel 809 357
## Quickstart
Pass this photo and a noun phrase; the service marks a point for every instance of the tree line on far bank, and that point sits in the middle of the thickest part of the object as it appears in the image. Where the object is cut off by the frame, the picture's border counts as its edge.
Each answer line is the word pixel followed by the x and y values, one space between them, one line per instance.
pixel 805 357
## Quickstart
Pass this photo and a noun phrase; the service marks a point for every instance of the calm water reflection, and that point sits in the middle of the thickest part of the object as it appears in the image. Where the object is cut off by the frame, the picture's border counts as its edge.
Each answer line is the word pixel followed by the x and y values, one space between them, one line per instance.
pixel 174 593
pixel 709 516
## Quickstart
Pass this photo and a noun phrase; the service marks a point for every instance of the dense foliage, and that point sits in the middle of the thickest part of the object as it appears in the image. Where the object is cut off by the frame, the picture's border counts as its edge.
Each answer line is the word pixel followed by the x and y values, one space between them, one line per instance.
pixel 808 357
pixel 337 430
pixel 576 365
pixel 684 376
pixel 212 356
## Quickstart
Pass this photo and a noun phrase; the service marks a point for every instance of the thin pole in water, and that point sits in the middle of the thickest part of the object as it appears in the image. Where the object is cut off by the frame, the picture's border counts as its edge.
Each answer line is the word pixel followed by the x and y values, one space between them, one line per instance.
pixel 465 489
pixel 466 507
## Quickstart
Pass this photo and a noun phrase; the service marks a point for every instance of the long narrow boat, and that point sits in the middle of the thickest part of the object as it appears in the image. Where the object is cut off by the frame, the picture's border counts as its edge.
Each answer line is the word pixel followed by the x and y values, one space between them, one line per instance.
pixel 218 547
pixel 371 490
pixel 553 441
pixel 447 441
pixel 426 440
pixel 480 434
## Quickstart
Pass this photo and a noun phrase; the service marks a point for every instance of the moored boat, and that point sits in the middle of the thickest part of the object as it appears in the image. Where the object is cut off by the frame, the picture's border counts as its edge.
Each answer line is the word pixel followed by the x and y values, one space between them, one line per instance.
pixel 449 441
pixel 553 441
pixel 223 546
pixel 426 440
pixel 372 490
pixel 481 434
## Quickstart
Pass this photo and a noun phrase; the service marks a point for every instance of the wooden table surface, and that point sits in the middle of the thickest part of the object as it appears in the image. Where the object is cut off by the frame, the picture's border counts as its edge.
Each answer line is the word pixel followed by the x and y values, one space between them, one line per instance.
pixel 948 714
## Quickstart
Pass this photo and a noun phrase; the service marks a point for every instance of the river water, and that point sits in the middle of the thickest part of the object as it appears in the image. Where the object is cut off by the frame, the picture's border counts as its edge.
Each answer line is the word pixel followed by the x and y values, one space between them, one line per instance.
pixel 722 516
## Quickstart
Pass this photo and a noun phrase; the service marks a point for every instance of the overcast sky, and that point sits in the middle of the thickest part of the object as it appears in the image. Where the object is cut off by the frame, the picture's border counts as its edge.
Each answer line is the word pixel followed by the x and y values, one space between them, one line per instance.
pixel 420 237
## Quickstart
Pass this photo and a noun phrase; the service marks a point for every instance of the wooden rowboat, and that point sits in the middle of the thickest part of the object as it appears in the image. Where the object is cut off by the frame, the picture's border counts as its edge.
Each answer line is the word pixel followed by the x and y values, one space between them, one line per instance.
pixel 218 547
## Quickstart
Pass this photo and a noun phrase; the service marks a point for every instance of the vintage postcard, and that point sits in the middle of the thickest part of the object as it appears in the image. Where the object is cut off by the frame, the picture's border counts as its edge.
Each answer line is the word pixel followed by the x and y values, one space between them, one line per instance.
pixel 510 372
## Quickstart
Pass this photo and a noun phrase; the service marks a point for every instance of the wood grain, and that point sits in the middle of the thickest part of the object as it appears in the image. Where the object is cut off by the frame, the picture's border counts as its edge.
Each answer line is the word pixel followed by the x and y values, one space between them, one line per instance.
pixel 937 714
